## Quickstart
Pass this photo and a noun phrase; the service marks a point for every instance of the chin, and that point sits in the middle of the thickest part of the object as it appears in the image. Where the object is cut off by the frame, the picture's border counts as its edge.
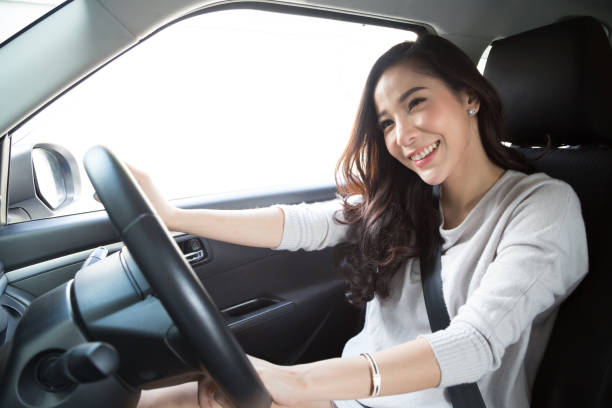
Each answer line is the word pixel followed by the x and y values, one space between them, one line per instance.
pixel 432 183
pixel 435 174
pixel 431 176
pixel 432 179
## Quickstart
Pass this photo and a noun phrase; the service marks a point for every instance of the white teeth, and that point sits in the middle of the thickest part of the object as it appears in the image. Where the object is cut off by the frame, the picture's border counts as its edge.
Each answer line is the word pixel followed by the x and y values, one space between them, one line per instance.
pixel 425 152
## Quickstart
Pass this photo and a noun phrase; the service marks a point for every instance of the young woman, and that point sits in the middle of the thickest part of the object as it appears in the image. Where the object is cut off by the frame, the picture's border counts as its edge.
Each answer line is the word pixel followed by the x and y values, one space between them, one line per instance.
pixel 513 244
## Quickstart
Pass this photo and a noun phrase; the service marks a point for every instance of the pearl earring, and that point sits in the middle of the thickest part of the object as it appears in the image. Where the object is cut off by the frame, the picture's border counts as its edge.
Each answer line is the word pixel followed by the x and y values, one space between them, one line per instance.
pixel 472 112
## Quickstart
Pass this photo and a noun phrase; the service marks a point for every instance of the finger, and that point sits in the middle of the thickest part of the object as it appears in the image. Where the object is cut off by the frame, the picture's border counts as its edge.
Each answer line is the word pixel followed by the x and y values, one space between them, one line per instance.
pixel 206 392
pixel 204 387
pixel 220 400
pixel 183 395
pixel 211 399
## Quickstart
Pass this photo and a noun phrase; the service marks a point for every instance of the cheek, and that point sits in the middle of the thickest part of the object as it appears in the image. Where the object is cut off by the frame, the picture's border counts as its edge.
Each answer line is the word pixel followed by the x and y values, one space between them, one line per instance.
pixel 431 120
pixel 396 151
pixel 392 147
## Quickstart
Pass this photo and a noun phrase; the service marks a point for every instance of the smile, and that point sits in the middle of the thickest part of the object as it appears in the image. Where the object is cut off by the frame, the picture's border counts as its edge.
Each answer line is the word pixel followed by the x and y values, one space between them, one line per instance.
pixel 426 152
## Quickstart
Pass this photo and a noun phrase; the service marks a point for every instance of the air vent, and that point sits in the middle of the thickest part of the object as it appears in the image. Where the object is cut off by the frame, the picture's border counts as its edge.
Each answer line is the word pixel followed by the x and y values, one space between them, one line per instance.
pixel 194 249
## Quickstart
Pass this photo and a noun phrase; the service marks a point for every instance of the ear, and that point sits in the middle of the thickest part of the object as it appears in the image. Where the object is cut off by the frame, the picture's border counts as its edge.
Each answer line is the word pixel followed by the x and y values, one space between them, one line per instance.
pixel 471 100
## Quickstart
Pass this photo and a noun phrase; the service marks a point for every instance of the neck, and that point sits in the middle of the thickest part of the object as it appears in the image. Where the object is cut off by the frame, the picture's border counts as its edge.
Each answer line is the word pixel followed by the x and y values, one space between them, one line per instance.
pixel 462 190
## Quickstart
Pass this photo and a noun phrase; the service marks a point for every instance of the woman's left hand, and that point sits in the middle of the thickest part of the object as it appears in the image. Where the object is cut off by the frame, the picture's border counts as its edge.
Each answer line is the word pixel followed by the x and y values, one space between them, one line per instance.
pixel 284 384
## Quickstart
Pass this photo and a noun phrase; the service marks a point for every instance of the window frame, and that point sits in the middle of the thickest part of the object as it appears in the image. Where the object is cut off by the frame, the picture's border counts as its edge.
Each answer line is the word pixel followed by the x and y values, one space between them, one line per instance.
pixel 34 22
pixel 298 9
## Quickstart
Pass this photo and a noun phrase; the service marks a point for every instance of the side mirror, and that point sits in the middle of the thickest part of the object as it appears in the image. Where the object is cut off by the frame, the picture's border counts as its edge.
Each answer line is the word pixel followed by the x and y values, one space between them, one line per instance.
pixel 43 179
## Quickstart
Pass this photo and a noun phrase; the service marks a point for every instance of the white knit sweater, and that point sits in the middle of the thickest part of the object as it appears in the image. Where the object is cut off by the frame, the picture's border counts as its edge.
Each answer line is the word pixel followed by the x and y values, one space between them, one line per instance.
pixel 514 258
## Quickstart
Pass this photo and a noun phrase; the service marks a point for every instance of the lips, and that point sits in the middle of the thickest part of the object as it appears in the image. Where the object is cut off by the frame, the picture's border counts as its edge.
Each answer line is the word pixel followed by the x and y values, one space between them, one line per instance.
pixel 422 153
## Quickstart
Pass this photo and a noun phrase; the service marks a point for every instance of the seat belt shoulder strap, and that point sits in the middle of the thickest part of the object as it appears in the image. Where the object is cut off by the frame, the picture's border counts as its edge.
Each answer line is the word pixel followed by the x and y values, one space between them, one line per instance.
pixel 463 395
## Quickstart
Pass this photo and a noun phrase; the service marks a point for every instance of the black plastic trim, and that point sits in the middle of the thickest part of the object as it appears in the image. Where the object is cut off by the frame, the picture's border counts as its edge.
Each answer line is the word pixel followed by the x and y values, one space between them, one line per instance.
pixel 31 242
pixel 183 242
pixel 257 311
pixel 5 169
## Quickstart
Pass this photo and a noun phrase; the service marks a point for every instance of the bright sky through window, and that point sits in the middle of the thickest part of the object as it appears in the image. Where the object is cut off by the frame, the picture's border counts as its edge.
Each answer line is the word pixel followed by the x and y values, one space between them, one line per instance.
pixel 16 14
pixel 225 101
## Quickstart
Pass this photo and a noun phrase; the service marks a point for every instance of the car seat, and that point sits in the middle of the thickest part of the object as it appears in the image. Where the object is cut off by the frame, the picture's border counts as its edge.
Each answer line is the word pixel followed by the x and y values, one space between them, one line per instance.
pixel 556 82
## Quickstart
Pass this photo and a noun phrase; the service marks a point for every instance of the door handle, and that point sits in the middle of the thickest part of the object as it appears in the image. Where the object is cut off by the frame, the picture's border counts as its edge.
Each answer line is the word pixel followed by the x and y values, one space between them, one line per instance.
pixel 255 311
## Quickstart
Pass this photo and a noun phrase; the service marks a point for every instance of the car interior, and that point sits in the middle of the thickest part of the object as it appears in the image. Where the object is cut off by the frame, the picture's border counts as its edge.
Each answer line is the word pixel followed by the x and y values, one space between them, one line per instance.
pixel 84 326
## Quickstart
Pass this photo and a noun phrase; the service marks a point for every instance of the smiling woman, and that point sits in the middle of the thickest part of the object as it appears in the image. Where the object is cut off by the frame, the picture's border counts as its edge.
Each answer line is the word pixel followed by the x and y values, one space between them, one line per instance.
pixel 510 244
pixel 209 107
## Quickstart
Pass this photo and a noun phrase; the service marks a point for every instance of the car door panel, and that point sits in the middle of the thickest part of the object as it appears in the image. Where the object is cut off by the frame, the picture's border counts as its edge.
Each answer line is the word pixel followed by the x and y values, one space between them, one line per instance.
pixel 305 280
pixel 31 242
pixel 41 277
pixel 283 306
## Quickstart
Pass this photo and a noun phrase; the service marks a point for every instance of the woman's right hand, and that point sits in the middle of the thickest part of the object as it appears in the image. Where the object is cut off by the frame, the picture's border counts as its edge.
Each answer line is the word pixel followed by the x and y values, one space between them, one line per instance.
pixel 163 207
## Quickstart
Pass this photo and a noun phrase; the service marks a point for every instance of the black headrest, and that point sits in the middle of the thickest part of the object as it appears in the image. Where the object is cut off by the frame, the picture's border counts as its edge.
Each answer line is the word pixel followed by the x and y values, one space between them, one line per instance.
pixel 557 81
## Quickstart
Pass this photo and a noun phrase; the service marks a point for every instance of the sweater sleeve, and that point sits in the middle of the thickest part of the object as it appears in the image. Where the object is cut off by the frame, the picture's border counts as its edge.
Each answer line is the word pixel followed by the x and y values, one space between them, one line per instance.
pixel 312 226
pixel 541 258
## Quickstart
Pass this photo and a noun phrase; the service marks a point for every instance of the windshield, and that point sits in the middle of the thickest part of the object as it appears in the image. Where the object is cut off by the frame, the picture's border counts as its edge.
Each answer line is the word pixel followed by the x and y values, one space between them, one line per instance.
pixel 17 14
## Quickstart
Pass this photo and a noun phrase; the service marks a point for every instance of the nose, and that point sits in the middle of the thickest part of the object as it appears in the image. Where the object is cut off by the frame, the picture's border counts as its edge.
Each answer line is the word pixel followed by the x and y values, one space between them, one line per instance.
pixel 405 132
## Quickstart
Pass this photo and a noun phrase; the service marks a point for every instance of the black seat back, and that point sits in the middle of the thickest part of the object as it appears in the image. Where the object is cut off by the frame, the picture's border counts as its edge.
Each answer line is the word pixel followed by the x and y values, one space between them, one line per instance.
pixel 556 82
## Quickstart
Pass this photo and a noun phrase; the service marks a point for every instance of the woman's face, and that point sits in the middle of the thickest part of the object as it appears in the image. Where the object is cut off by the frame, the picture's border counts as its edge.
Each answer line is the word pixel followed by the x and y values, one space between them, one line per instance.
pixel 426 125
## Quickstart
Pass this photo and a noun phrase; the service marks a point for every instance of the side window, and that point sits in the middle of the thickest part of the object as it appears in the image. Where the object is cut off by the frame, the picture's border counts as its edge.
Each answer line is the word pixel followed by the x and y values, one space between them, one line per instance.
pixel 482 62
pixel 220 102
pixel 17 14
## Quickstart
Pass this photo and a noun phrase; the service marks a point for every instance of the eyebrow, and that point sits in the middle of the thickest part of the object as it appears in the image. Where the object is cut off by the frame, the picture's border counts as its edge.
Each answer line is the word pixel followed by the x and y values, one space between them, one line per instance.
pixel 403 97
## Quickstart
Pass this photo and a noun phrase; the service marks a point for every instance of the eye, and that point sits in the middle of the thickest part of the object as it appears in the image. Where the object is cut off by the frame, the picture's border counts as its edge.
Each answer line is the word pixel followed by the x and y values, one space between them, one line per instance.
pixel 384 124
pixel 413 103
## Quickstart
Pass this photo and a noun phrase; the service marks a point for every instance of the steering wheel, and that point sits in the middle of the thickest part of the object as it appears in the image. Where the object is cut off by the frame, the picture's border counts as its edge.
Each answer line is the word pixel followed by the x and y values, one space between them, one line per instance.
pixel 173 280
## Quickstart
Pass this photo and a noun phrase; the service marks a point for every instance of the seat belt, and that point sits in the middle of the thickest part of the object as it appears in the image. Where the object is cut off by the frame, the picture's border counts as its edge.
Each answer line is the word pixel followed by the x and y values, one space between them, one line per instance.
pixel 462 395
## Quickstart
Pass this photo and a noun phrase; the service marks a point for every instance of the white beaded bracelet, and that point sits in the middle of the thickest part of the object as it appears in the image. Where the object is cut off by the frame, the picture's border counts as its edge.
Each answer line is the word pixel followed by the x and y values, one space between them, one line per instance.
pixel 375 374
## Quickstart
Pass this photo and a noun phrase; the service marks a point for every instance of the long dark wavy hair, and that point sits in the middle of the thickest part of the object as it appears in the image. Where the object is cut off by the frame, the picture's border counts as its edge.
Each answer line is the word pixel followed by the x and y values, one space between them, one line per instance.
pixel 398 217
